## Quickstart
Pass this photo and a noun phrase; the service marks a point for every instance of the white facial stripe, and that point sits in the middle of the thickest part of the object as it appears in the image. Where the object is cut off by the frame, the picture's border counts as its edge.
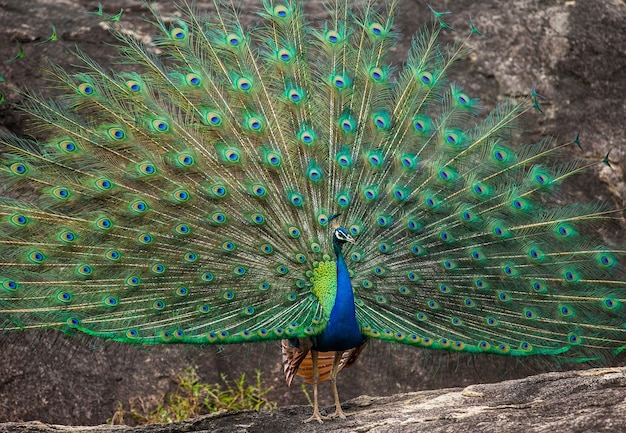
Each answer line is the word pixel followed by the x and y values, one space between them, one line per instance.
pixel 341 235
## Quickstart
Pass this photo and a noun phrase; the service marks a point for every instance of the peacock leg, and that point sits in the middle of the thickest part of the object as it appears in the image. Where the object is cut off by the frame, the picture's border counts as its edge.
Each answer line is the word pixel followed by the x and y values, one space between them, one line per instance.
pixel 316 375
pixel 339 413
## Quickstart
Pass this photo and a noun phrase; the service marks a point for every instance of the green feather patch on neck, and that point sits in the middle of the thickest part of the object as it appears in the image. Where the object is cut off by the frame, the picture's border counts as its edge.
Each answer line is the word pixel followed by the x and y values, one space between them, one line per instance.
pixel 325 285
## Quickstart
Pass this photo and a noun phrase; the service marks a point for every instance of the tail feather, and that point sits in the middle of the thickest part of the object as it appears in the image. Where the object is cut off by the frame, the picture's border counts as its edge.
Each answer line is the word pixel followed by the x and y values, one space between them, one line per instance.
pixel 189 200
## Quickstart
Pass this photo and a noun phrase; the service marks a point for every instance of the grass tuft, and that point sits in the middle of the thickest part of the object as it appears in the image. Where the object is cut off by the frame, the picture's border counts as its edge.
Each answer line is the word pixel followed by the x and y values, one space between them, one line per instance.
pixel 193 398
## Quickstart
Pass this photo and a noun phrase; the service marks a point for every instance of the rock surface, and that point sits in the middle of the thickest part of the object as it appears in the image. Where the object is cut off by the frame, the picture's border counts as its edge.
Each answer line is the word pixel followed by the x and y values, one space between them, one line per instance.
pixel 575 54
pixel 588 401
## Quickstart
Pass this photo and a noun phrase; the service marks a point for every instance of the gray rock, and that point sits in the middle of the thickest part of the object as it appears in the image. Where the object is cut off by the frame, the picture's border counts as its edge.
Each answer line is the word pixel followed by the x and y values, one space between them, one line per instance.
pixel 585 401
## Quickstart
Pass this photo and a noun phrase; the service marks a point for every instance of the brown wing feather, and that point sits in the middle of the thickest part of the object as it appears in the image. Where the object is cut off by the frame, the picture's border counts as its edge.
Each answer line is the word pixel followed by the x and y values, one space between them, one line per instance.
pixel 297 360
pixel 293 357
pixel 350 356
pixel 324 366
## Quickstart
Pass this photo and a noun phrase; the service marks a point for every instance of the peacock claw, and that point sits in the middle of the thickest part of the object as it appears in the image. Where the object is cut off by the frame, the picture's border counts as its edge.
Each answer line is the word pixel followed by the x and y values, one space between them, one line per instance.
pixel 339 414
pixel 316 417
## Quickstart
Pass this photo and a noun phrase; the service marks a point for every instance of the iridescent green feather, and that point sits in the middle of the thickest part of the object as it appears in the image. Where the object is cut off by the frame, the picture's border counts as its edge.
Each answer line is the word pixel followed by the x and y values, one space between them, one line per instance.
pixel 190 200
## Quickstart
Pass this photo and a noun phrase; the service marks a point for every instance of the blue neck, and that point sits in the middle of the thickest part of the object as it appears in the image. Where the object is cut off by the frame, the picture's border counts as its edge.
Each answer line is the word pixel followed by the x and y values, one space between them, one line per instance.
pixel 342 331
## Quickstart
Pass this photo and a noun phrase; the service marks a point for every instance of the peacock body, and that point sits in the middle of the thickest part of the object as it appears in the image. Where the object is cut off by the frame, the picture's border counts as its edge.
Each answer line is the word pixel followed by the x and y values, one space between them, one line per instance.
pixel 287 183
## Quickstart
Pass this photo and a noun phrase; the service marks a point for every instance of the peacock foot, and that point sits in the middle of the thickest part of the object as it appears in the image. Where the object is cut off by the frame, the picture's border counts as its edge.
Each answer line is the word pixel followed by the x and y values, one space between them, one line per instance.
pixel 317 417
pixel 339 413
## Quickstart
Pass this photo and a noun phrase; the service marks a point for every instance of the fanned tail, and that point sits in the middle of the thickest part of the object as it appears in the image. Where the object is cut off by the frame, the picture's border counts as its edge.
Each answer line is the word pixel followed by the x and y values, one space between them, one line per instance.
pixel 189 200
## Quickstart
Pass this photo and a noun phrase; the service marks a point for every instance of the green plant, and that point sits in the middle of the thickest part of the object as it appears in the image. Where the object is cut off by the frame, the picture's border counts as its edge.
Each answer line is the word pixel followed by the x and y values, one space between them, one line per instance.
pixel 193 398
pixel 306 394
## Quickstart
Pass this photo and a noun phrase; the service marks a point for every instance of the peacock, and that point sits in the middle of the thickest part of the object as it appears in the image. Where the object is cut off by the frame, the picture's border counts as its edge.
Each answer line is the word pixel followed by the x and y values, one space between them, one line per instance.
pixel 286 182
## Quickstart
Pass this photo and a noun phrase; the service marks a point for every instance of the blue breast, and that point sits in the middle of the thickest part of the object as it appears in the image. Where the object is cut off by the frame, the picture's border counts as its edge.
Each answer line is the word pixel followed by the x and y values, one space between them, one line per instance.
pixel 342 331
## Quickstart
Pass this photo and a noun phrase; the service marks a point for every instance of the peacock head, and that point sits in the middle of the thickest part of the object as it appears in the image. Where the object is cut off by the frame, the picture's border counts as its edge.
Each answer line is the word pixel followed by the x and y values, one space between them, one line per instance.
pixel 340 234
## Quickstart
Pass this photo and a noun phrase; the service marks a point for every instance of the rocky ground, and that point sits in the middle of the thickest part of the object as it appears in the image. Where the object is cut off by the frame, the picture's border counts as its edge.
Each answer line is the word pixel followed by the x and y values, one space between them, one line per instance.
pixel 573 402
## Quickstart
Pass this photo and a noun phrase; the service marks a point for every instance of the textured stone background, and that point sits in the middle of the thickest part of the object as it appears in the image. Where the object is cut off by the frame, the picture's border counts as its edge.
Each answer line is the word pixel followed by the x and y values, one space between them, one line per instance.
pixel 573 51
